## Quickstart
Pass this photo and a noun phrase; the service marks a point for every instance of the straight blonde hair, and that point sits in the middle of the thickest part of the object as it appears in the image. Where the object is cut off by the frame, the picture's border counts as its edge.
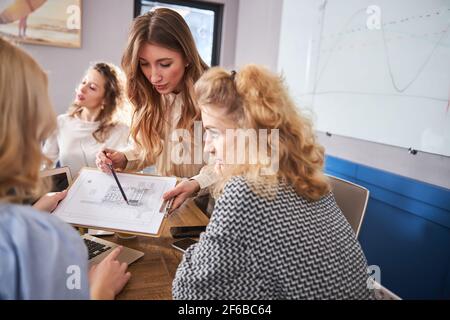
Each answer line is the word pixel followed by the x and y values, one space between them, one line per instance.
pixel 166 28
pixel 27 119
pixel 255 98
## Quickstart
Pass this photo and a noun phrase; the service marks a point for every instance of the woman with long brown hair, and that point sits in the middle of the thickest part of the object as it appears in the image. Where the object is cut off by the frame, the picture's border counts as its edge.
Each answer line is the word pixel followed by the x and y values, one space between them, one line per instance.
pixel 93 121
pixel 162 63
pixel 276 231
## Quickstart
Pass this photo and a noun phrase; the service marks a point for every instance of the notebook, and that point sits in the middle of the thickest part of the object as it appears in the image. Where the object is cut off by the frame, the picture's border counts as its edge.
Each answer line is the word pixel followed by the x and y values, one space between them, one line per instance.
pixel 94 201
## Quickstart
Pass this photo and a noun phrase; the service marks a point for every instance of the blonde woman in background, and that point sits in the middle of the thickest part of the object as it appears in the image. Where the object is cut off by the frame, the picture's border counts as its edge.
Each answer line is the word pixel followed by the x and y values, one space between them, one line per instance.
pixel 37 249
pixel 93 121
pixel 276 231
pixel 162 64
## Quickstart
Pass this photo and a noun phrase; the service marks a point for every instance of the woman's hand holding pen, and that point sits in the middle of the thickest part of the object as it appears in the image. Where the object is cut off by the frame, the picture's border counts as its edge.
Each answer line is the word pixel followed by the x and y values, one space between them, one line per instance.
pixel 110 157
pixel 180 193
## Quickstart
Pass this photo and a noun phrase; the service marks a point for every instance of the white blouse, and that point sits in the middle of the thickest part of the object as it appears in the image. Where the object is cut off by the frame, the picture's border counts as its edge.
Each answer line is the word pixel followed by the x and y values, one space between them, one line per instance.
pixel 74 146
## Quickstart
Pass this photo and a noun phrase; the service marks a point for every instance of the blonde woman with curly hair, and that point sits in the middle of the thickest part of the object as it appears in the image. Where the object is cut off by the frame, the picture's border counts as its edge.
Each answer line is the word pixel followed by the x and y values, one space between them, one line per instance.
pixel 162 63
pixel 93 121
pixel 276 231
pixel 39 252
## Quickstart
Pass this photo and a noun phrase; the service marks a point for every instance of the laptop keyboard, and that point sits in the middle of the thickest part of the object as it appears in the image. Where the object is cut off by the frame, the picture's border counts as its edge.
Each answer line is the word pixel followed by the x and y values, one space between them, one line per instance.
pixel 95 248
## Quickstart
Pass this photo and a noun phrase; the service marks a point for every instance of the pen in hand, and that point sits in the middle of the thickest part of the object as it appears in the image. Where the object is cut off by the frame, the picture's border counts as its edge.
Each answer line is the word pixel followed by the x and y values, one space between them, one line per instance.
pixel 168 208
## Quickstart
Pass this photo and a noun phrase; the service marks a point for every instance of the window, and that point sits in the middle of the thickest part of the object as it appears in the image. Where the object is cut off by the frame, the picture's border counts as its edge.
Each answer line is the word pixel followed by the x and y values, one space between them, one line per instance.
pixel 203 18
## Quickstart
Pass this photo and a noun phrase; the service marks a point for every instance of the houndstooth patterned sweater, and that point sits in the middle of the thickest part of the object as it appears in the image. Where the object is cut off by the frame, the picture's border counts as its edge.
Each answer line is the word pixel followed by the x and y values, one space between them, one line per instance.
pixel 284 248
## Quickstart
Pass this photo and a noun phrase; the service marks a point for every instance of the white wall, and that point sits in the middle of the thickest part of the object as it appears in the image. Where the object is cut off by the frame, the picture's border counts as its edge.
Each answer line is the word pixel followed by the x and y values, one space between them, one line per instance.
pixel 258 32
pixel 229 31
pixel 426 167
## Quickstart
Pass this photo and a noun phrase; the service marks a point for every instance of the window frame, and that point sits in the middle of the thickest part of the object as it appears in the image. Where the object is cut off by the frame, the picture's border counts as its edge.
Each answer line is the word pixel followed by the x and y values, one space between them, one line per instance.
pixel 217 8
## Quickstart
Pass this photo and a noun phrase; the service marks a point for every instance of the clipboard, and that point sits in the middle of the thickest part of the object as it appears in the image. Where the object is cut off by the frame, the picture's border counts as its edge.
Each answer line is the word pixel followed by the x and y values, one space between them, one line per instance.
pixel 93 201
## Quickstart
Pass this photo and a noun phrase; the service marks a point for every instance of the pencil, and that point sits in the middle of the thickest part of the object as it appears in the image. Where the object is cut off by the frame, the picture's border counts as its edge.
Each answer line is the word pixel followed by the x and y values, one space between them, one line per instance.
pixel 118 183
pixel 169 206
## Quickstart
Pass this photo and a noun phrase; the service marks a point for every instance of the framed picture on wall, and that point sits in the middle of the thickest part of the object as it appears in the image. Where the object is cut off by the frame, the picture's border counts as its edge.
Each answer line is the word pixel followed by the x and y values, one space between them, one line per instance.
pixel 203 18
pixel 45 22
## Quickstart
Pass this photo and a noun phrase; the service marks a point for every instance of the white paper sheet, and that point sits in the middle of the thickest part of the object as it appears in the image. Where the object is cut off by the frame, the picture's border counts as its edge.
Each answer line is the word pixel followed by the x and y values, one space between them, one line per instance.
pixel 95 200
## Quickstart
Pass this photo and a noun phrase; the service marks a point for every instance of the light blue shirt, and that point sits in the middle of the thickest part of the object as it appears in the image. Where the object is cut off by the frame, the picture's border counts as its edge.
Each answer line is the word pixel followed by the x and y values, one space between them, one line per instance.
pixel 41 257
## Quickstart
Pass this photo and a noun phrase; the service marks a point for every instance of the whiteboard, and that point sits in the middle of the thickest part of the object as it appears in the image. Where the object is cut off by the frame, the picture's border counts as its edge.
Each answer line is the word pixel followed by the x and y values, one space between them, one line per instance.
pixel 375 72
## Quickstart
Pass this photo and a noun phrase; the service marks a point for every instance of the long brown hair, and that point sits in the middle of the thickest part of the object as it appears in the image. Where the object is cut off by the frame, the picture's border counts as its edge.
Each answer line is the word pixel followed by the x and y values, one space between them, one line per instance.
pixel 258 99
pixel 113 100
pixel 27 119
pixel 166 28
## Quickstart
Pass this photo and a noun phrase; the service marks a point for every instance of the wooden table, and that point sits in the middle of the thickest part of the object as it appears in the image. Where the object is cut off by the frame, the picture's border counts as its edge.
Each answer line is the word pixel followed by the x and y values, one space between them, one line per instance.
pixel 152 275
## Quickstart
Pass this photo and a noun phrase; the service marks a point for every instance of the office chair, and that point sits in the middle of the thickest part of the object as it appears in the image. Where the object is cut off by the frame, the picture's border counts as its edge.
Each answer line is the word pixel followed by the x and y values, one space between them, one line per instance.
pixel 352 200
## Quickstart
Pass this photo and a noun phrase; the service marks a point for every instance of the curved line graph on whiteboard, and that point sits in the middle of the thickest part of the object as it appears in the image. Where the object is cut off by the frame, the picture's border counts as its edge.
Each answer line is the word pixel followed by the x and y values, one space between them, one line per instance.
pixel 442 34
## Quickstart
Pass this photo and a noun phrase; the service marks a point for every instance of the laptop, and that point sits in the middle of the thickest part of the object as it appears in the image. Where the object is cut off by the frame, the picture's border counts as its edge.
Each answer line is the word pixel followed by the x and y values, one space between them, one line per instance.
pixel 98 248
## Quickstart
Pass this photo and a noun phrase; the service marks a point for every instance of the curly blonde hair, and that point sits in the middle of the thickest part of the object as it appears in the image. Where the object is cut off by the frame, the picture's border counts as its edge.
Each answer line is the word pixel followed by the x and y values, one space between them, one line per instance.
pixel 27 119
pixel 255 98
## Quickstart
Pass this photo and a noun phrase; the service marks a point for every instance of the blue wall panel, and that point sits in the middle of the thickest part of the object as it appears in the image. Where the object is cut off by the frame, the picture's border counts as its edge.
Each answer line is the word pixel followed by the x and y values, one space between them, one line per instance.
pixel 406 230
